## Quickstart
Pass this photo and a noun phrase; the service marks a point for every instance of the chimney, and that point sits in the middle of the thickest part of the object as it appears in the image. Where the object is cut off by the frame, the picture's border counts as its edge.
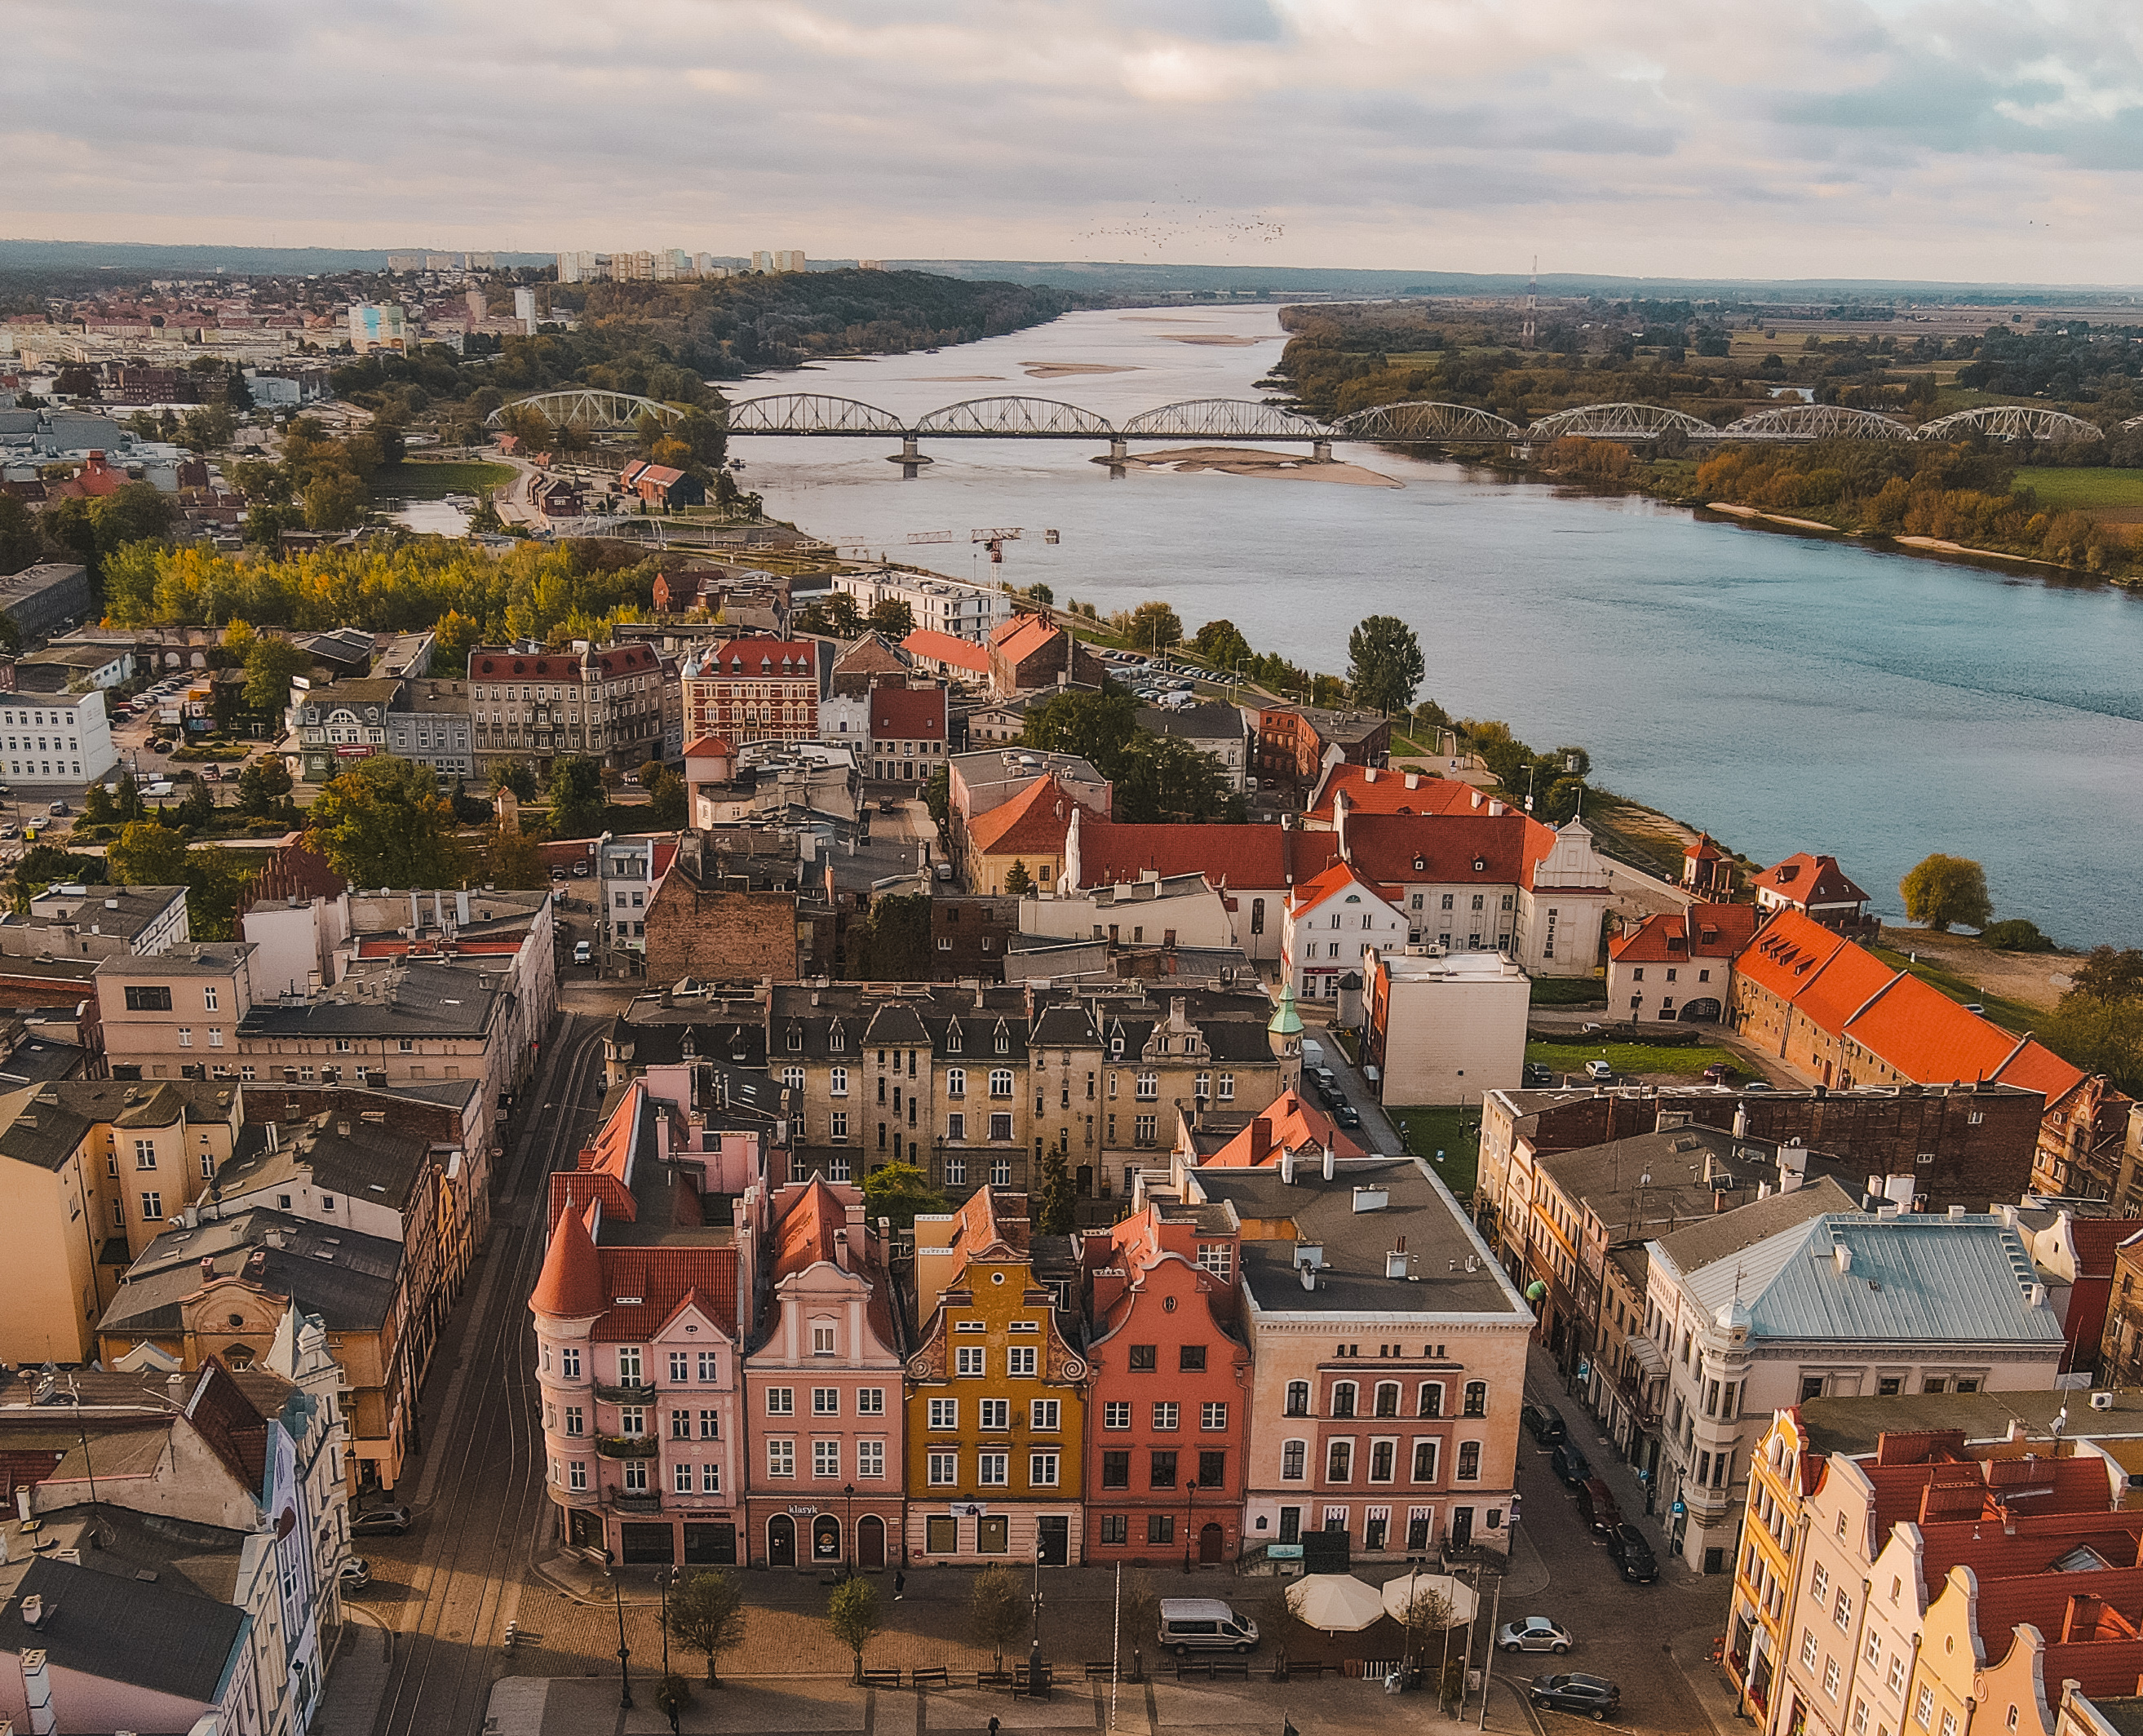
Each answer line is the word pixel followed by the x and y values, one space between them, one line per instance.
pixel 1479 799
pixel 1740 1121
pixel 1843 1256
pixel 33 1610
pixel 1497 809
pixel 1327 1159
pixel 1286 1167
pixel 1413 781
pixel 208 1267
pixel 461 909
pixel 1261 1145
pixel 174 1387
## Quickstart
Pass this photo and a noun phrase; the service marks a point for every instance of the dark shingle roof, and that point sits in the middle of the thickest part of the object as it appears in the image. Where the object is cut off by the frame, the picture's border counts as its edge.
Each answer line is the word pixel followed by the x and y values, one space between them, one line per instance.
pixel 126 1630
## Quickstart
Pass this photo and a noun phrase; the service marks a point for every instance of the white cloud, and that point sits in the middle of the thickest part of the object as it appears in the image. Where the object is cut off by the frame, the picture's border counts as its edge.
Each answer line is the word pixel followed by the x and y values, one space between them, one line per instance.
pixel 1861 137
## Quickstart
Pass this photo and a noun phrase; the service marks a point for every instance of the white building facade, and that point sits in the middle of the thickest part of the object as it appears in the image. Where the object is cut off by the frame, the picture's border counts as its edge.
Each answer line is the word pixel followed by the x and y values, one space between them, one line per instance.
pixel 56 738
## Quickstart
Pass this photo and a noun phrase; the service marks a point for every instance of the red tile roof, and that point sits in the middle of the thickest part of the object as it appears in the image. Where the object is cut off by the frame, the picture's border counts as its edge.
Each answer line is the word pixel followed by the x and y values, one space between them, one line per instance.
pixel 908 714
pixel 1382 790
pixel 762 660
pixel 1240 857
pixel 664 1278
pixel 944 648
pixel 571 1286
pixel 1035 819
pixel 806 1235
pixel 1399 849
pixel 711 747
pixel 1337 878
pixel 614 662
pixel 1847 991
pixel 1023 636
pixel 1291 1124
pixel 1704 850
pixel 1698 931
pixel 1806 879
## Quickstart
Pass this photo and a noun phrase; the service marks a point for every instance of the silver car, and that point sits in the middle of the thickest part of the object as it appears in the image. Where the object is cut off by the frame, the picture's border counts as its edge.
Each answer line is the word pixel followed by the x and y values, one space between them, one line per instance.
pixel 1534 1634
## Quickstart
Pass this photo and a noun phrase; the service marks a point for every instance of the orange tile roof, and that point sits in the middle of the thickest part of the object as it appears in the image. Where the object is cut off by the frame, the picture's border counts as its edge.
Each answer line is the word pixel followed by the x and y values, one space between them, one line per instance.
pixel 1339 876
pixel 1035 819
pixel 1241 857
pixel 944 648
pixel 1704 850
pixel 1022 636
pixel 1699 931
pixel 806 1236
pixel 1374 789
pixel 664 1278
pixel 1807 879
pixel 711 747
pixel 571 1286
pixel 1398 849
pixel 1291 1123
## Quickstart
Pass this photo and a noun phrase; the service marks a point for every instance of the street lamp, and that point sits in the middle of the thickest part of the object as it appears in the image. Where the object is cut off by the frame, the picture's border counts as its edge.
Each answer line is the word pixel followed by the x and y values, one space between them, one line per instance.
pixel 1190 1500
pixel 848 1535
pixel 1034 1665
pixel 624 1651
pixel 664 1579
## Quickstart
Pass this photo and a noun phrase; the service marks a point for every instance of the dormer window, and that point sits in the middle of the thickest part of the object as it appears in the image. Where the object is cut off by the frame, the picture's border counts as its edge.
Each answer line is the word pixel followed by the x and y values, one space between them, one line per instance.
pixel 1004 1042
pixel 795 1039
pixel 835 1041
pixel 952 1040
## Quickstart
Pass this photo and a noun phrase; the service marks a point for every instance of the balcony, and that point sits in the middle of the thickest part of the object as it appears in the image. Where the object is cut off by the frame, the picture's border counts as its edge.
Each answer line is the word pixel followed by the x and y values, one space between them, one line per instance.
pixel 637 1393
pixel 635 1503
pixel 627 1447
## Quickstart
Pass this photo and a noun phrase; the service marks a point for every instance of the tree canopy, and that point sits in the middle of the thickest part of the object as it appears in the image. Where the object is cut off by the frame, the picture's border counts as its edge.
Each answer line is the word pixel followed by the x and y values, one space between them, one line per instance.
pixel 706 1612
pixel 898 1191
pixel 382 822
pixel 577 800
pixel 1096 726
pixel 1940 891
pixel 1384 664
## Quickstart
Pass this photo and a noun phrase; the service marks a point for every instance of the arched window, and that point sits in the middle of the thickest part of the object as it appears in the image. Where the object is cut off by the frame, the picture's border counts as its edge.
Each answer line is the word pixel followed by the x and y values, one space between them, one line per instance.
pixel 1469 1462
pixel 1476 1398
pixel 1001 1082
pixel 1339 1462
pixel 1343 1399
pixel 956 1081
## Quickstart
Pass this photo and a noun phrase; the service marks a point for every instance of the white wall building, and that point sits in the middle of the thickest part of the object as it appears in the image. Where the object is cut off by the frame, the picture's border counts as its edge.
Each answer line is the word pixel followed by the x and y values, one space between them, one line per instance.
pixel 1444 1027
pixel 972 613
pixel 56 737
pixel 1333 925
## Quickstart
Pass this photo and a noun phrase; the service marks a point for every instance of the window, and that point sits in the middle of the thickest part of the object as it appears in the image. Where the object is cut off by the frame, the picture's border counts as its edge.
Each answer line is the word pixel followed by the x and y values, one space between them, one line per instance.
pixel 1000 1129
pixel 1116 1414
pixel 145 1154
pixel 944 1413
pixel 1476 1398
pixel 1001 1082
pixel 836 1128
pixel 1217 1258
pixel 1820 1585
pixel 148 997
pixel 1842 1614
pixel 1212 1417
pixel 870 1401
pixel 1875 1647
pixel 1830 1677
pixel 825 1458
pixel 1343 1399
pixel 1226 1084
pixel 681 1478
pixel 576 1475
pixel 1387 1398
pixel 1895 1681
pixel 1808 1647
pixel 1424 1462
pixel 1383 1454
pixel 710 1479
pixel 1923 1707
pixel 1191 1358
pixel 185 1038
pixel 968 1360
pixel 1431 1403
pixel 825 1400
pixel 1114 1529
pixel 781 1401
pixel 711 1425
pixel 870 1458
pixel 681 1425
pixel 569 1361
pixel 944 1470
pixel 1115 1470
pixel 781 1458
pixel 1339 1462
pixel 956 1081
pixel 1859 1718
pixel 993 1470
pixel 1469 1462
pixel 1020 1360
pixel 632 1420
pixel 1165 1416
pixel 576 1420
pixel 1145 1358
pixel 1043 1415
pixel 1041 1470
pixel 1291 1454
pixel 152 1208
pixel 996 1413
pixel 837 1081
pixel 1148 1088
pixel 1298 1398
pixel 1160 1472
pixel 681 1365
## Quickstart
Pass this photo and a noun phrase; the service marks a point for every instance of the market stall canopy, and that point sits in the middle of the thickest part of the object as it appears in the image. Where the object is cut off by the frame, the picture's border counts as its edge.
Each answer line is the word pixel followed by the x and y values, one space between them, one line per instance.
pixel 1334 1603
pixel 1402 1591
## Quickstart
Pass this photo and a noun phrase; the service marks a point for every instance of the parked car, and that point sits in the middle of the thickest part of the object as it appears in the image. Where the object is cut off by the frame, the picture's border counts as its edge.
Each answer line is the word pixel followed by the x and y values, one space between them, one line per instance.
pixel 355 1573
pixel 1330 1095
pixel 213 774
pixel 1758 1084
pixel 557 871
pixel 888 805
pixel 1570 1464
pixel 1536 1075
pixel 1593 1696
pixel 59 809
pixel 1596 1069
pixel 1544 1424
pixel 583 952
pixel 580 871
pixel 1633 1554
pixel 1595 1502
pixel 385 1521
pixel 1204 1625
pixel 1534 1634
pixel 1347 1116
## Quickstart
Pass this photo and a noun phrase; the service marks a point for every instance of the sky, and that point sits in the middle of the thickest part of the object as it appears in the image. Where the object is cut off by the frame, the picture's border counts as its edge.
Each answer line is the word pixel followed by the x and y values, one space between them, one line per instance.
pixel 1962 140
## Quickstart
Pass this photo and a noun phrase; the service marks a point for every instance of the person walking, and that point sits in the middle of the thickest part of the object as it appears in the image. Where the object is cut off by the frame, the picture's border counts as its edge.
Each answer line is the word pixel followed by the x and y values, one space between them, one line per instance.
pixel 899 1585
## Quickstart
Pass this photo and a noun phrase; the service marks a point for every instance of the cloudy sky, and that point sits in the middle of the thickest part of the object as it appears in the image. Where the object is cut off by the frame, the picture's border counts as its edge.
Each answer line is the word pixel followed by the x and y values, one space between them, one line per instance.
pixel 1934 139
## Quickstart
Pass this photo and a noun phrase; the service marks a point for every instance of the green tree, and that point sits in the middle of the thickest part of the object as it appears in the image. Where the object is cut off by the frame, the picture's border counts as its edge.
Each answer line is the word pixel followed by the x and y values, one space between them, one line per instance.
pixel 97 807
pixel 511 775
pixel 2107 975
pixel 1155 626
pixel 265 523
pixel 899 1192
pixel 1501 751
pixel 1942 890
pixel 147 854
pixel 132 512
pixel 1221 644
pixel 270 666
pixel 1164 778
pixel 451 640
pixel 126 799
pixel 336 501
pixel 216 878
pixel 894 944
pixel 513 858
pixel 384 822
pixel 1096 726
pixel 666 794
pixel 937 798
pixel 854 1617
pixel 707 1614
pixel 1017 882
pixel 1140 1613
pixel 2019 934
pixel 239 637
pixel 577 800
pixel 833 616
pixel 997 1611
pixel 2100 1035
pixel 208 428
pixel 1057 1216
pixel 263 787
pixel 20 544
pixel 1384 664
pixel 43 865
pixel 892 618
pixel 197 807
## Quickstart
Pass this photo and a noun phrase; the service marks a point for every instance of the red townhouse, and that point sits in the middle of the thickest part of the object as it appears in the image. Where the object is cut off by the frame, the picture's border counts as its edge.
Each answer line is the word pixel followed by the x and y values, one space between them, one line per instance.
pixel 753 689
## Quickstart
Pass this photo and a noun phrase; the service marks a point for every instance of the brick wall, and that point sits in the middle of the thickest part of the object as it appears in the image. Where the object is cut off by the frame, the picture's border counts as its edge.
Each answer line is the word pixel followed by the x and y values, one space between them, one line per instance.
pixel 722 936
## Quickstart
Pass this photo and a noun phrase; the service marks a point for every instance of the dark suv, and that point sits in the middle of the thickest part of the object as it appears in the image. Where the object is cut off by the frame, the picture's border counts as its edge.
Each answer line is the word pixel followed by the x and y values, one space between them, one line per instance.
pixel 1595 1697
pixel 1569 1464
pixel 1633 1554
pixel 1544 1424
pixel 1595 1501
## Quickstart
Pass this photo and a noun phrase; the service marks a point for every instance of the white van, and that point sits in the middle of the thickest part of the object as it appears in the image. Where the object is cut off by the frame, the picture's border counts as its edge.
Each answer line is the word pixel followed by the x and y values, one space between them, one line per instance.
pixel 1191 1624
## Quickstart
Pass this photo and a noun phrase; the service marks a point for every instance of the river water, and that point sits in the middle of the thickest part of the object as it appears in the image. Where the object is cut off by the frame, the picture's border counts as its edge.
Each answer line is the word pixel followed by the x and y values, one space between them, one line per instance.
pixel 1787 692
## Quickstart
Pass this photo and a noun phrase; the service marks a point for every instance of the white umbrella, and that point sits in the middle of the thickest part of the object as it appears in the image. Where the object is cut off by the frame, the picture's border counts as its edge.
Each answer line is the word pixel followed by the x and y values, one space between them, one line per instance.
pixel 1399 1595
pixel 1334 1603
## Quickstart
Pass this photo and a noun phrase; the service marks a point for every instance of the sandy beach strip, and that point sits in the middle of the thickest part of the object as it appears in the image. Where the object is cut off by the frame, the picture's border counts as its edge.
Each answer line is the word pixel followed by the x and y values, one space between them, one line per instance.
pixel 1240 460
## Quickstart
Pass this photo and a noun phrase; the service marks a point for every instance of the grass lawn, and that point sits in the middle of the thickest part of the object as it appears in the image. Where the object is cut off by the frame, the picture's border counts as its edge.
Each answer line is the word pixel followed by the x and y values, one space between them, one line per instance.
pixel 2011 1015
pixel 1454 1132
pixel 2066 489
pixel 1629 1058
pixel 1569 992
pixel 418 480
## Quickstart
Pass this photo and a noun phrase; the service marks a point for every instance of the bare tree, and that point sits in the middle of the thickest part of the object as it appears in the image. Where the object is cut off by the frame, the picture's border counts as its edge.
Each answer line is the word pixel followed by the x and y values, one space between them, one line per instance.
pixel 997 1611
pixel 707 1613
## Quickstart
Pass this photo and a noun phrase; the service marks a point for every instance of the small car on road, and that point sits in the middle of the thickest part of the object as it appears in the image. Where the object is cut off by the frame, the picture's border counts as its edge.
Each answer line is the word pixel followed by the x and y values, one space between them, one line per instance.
pixel 1632 1555
pixel 387 1522
pixel 1347 1116
pixel 1593 1696
pixel 1595 1502
pixel 1538 1076
pixel 1599 1070
pixel 1534 1634
pixel 582 951
pixel 355 1573
pixel 1569 1464
pixel 1544 1424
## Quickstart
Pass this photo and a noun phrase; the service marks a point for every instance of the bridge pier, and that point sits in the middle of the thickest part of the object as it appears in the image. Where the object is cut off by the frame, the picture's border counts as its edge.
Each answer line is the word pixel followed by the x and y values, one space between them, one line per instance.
pixel 909 460
pixel 1320 451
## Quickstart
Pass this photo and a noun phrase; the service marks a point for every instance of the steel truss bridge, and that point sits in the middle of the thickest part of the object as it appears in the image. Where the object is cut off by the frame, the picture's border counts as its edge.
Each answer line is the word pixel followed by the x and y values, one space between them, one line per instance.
pixel 1019 417
pixel 1015 416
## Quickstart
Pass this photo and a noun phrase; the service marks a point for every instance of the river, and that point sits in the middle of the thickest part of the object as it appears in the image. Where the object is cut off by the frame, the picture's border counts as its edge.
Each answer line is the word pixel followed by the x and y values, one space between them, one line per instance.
pixel 1787 692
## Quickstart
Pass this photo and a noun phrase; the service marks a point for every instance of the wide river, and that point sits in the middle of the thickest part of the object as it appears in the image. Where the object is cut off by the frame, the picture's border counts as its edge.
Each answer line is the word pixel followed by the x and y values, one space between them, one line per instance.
pixel 1787 692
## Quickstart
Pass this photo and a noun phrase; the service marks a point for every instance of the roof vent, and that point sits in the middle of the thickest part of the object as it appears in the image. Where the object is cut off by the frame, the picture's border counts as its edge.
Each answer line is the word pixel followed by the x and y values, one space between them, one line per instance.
pixel 1843 1256
pixel 1395 1260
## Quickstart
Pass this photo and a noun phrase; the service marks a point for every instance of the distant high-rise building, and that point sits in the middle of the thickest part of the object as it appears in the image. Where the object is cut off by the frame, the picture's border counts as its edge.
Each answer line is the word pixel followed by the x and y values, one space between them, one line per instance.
pixel 761 259
pixel 377 325
pixel 583 267
pixel 870 264
pixel 632 268
pixel 704 265
pixel 405 262
pixel 524 309
pixel 480 262
pixel 789 259
pixel 672 262
pixel 477 303
pixel 443 262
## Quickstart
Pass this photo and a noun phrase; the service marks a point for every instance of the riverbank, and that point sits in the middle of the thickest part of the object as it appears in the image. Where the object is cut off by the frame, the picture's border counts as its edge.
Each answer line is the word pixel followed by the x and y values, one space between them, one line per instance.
pixel 1254 462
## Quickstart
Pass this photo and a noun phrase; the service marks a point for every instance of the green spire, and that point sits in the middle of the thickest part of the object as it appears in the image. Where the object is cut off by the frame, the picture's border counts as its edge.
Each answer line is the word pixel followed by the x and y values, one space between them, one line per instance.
pixel 1285 1021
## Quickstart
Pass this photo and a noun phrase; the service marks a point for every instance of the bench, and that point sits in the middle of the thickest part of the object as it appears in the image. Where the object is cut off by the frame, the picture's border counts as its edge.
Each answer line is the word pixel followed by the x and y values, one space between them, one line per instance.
pixel 1100 1671
pixel 929 1677
pixel 881 1678
pixel 993 1679
pixel 1289 1671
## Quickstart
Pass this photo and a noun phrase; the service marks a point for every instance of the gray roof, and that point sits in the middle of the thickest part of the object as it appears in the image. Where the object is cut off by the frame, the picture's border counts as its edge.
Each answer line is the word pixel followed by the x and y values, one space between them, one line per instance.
pixel 1211 721
pixel 189 958
pixel 348 1279
pixel 45 1125
pixel 1856 1425
pixel 121 910
pixel 340 1154
pixel 406 999
pixel 126 1629
pixel 1703 1245
pixel 1440 1243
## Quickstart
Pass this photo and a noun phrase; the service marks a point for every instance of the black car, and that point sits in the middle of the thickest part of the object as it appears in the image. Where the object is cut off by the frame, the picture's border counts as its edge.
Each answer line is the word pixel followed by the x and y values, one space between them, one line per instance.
pixel 1593 1696
pixel 1633 1554
pixel 1347 1116
pixel 1323 1075
pixel 1569 1464
pixel 1330 1095
pixel 1536 1075
pixel 1544 1424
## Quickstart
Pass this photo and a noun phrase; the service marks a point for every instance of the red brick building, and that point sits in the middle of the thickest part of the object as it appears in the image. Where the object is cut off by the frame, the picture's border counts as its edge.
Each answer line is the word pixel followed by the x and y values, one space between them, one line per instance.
pixel 754 689
pixel 1026 654
pixel 907 740
pixel 1293 742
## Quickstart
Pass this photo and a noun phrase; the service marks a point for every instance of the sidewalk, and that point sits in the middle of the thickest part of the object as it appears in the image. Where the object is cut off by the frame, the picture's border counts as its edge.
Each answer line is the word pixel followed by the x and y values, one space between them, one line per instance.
pixel 1707 1685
